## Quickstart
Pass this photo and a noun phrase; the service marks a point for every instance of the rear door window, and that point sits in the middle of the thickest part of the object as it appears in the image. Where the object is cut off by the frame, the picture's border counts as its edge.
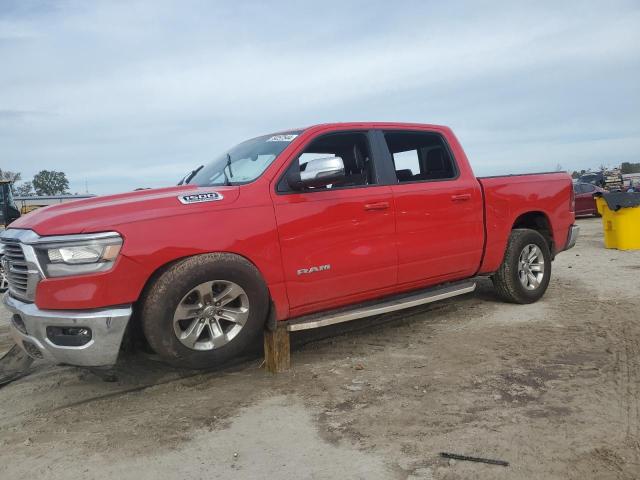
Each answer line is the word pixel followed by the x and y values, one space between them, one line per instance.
pixel 420 156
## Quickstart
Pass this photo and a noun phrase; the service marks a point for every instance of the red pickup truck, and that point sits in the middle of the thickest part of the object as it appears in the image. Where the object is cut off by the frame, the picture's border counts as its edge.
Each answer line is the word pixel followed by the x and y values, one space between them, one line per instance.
pixel 307 227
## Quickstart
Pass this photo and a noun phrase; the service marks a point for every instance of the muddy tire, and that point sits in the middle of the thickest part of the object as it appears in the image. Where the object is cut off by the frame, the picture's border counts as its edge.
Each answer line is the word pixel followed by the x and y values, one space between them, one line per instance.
pixel 205 310
pixel 524 274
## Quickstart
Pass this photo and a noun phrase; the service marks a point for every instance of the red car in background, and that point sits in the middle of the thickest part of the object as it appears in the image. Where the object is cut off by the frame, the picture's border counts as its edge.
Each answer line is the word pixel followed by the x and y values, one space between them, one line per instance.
pixel 585 203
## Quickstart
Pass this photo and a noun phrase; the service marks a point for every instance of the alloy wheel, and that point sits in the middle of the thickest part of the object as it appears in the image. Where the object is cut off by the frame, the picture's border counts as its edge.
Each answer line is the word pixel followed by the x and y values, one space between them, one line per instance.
pixel 210 315
pixel 531 267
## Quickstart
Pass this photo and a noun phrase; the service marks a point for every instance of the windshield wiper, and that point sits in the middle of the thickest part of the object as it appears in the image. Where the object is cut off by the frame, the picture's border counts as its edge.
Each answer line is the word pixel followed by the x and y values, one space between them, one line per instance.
pixel 229 165
pixel 188 178
pixel 224 171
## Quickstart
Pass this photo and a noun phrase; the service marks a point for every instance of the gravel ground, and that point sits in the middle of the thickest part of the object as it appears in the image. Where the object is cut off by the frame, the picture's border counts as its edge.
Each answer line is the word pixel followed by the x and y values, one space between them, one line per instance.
pixel 553 388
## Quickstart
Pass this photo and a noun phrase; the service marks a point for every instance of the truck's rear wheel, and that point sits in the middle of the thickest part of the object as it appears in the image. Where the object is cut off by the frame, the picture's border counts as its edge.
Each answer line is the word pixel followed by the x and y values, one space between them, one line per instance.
pixel 524 274
pixel 205 310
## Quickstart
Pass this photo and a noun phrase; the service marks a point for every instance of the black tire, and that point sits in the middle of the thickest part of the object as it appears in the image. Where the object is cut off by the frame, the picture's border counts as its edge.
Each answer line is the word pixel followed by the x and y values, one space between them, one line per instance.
pixel 165 293
pixel 506 279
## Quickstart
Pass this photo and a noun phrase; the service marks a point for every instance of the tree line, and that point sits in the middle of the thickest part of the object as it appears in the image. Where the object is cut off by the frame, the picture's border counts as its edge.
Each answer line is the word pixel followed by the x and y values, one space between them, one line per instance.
pixel 628 167
pixel 45 182
pixel 625 167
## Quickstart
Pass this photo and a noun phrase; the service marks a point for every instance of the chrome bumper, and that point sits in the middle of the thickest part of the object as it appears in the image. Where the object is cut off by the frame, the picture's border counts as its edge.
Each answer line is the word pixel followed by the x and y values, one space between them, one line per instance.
pixel 574 232
pixel 29 330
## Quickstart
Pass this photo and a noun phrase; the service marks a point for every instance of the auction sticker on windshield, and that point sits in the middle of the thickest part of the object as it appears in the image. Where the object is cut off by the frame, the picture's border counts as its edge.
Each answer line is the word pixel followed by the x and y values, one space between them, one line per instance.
pixel 282 138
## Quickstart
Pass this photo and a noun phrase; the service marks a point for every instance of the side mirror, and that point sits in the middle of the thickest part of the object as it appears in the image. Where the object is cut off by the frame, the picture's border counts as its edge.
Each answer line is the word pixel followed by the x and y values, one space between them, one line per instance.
pixel 319 172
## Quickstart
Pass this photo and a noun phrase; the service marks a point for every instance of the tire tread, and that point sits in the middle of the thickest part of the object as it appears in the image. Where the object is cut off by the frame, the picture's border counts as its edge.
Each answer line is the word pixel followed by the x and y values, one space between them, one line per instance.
pixel 154 316
pixel 505 280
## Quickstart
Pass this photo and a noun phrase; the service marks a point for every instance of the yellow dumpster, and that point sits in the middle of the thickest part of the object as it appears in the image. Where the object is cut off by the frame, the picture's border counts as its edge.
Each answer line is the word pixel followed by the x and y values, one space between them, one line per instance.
pixel 620 219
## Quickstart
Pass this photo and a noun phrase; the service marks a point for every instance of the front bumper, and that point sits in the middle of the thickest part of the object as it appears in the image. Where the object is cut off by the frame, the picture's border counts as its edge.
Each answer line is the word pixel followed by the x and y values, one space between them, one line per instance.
pixel 574 232
pixel 29 330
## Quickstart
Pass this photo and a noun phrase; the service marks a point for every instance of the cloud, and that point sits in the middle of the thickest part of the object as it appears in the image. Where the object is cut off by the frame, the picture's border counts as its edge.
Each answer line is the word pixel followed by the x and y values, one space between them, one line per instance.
pixel 14 115
pixel 136 93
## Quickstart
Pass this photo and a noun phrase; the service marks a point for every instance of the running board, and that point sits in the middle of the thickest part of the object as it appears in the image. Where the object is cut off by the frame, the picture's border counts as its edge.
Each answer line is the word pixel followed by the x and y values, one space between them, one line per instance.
pixel 386 306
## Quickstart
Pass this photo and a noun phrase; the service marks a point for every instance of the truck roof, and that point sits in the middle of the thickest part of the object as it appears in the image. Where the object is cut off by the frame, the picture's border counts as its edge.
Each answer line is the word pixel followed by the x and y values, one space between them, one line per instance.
pixel 373 125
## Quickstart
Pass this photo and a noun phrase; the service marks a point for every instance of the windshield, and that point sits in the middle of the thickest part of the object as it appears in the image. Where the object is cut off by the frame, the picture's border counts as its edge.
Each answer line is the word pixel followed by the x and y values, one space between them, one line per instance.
pixel 245 162
pixel 6 191
pixel 590 178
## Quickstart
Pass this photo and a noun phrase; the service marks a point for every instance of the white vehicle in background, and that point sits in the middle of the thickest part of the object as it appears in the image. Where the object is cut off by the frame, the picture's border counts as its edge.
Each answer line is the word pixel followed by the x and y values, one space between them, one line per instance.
pixel 631 180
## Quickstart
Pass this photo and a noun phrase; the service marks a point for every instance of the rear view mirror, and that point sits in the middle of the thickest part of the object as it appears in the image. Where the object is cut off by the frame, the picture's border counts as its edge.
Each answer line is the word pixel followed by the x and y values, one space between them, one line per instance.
pixel 318 172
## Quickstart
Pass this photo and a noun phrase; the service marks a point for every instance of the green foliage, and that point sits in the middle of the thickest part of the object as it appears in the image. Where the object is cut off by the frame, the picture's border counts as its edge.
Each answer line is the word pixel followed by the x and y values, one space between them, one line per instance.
pixel 627 167
pixel 9 175
pixel 50 182
pixel 24 190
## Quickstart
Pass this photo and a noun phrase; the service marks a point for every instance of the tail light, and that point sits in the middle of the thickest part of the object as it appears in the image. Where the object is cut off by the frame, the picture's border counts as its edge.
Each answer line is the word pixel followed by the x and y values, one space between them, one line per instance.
pixel 572 202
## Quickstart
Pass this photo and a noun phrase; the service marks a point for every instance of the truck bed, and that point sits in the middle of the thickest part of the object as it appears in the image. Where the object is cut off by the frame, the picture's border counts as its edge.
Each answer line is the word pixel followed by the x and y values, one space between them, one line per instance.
pixel 510 197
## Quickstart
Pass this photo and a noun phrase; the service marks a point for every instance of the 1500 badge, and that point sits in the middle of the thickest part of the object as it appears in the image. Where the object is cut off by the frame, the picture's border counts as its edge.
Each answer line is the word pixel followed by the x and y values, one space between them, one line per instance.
pixel 200 197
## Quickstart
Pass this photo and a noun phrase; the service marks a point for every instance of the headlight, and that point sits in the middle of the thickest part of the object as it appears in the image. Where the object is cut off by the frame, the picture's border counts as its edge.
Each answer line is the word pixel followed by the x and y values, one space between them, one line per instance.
pixel 79 254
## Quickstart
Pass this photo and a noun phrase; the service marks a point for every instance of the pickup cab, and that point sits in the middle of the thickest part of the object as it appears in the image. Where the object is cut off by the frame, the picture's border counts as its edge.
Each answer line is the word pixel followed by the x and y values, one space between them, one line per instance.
pixel 300 228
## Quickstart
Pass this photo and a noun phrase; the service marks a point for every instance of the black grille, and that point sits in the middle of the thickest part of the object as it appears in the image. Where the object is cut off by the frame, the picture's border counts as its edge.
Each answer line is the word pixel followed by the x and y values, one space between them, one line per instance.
pixel 16 269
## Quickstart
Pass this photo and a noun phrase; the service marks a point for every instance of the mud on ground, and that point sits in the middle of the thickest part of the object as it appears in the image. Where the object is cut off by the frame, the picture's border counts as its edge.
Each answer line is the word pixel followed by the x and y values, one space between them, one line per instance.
pixel 553 388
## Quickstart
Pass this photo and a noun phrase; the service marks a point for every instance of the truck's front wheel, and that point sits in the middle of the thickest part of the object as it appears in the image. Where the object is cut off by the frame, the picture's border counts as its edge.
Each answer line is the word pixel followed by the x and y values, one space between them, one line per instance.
pixel 524 274
pixel 205 310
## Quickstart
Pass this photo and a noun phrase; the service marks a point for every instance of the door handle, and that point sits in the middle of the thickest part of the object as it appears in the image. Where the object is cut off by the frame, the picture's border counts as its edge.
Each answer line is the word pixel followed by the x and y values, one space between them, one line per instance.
pixel 376 206
pixel 461 198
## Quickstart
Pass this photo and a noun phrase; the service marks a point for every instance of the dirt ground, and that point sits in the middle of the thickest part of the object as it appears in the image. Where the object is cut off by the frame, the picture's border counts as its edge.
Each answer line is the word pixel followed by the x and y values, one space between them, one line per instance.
pixel 553 388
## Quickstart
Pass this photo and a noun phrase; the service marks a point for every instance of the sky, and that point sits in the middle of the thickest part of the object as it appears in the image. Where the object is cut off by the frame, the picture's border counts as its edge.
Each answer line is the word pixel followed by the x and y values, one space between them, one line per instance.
pixel 127 94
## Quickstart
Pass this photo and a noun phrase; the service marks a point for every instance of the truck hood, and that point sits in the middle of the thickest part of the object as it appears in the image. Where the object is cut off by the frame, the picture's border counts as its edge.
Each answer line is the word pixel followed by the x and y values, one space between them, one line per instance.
pixel 105 213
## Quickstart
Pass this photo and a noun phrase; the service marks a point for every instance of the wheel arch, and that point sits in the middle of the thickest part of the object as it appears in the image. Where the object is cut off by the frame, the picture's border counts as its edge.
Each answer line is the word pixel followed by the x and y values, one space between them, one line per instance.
pixel 160 269
pixel 538 221
pixel 134 329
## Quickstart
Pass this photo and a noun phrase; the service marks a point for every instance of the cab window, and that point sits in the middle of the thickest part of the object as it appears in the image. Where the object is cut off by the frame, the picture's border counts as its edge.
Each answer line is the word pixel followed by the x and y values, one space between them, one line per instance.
pixel 420 156
pixel 352 148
